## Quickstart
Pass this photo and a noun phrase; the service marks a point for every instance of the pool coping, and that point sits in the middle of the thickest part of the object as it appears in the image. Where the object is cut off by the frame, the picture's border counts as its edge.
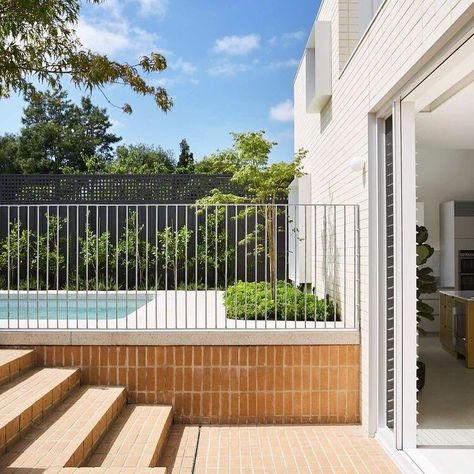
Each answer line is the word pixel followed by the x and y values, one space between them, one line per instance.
pixel 192 337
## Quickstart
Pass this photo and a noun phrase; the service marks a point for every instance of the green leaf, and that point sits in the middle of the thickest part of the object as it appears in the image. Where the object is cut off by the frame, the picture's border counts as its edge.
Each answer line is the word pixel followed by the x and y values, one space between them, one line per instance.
pixel 39 44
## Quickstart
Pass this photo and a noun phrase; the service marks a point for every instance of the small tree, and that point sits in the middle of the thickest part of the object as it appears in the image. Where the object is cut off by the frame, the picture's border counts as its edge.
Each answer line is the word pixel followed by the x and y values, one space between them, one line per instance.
pixel 213 251
pixel 265 184
pixel 50 259
pixel 186 159
pixel 132 250
pixel 14 252
pixel 169 253
pixel 97 254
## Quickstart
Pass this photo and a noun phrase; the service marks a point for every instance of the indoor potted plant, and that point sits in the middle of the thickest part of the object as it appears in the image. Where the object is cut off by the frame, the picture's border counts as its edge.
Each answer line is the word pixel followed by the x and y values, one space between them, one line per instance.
pixel 425 284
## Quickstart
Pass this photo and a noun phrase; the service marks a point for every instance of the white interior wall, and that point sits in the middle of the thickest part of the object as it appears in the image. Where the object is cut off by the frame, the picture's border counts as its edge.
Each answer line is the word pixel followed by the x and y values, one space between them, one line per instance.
pixel 442 175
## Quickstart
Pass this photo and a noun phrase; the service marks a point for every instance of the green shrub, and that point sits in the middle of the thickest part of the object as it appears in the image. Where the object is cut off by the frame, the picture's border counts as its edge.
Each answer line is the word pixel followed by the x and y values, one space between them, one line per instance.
pixel 256 300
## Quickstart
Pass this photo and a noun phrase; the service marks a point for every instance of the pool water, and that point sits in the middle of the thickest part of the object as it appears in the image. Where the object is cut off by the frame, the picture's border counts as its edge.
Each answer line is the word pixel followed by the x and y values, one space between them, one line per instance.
pixel 69 308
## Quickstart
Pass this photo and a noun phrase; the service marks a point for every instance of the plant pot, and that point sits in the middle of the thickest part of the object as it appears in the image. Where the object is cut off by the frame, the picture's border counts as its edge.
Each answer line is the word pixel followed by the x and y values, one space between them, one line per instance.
pixel 420 373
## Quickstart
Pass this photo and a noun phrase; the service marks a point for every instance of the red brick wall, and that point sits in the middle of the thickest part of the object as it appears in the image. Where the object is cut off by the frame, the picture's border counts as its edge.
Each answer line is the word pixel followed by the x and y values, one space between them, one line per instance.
pixel 227 384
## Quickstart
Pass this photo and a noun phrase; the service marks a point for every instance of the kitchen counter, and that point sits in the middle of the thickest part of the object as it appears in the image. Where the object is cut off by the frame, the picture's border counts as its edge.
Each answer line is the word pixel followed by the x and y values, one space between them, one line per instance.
pixel 456 330
pixel 459 295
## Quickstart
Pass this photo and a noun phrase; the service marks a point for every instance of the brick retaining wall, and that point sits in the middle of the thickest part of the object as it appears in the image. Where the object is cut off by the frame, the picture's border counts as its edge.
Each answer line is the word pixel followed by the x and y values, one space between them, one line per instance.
pixel 227 384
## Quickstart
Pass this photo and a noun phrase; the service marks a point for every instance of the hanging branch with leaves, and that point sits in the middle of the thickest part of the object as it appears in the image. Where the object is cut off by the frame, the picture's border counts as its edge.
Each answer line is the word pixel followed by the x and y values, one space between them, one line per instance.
pixel 39 42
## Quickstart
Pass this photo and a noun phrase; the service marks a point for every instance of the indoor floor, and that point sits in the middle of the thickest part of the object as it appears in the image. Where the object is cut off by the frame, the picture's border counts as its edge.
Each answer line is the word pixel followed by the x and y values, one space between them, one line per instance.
pixel 446 404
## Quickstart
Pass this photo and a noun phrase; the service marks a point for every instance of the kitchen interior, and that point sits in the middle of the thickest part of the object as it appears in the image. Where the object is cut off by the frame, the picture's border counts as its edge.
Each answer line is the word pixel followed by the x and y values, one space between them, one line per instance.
pixel 445 206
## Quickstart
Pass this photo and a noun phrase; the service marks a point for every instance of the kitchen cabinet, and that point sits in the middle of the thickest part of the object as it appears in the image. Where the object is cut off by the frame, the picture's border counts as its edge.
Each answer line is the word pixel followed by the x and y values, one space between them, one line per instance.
pixel 456 332
pixel 456 234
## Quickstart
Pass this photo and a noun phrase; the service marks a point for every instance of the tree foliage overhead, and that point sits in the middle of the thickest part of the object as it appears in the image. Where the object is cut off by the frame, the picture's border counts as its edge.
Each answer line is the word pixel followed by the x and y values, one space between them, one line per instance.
pixel 59 136
pixel 39 42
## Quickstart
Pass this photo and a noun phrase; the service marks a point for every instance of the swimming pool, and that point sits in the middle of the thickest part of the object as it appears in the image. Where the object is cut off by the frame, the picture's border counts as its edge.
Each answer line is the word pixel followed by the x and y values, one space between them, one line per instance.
pixel 70 306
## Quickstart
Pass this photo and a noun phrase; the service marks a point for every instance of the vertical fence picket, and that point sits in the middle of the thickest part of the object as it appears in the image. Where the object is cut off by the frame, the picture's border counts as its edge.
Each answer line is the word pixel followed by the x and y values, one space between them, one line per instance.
pixel 304 276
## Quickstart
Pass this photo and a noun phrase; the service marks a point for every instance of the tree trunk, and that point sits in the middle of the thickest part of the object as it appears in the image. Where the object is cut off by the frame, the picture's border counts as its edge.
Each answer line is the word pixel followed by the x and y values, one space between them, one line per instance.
pixel 272 250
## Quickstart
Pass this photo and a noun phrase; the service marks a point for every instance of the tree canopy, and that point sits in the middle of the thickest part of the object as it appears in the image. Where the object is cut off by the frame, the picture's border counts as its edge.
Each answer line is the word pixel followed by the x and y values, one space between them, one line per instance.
pixel 186 159
pixel 221 162
pixel 59 136
pixel 248 162
pixel 39 43
pixel 142 159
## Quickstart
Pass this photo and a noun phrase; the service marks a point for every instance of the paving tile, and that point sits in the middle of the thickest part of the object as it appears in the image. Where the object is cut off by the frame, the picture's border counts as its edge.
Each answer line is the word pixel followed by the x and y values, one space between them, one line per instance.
pixel 273 449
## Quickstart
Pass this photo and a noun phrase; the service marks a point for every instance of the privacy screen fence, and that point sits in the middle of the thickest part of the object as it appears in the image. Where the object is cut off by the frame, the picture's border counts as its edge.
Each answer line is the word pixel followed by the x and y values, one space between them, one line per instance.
pixel 112 189
pixel 138 252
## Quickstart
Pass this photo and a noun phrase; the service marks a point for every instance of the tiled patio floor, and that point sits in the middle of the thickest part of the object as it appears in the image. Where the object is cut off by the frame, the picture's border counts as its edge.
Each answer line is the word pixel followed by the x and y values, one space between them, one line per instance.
pixel 273 449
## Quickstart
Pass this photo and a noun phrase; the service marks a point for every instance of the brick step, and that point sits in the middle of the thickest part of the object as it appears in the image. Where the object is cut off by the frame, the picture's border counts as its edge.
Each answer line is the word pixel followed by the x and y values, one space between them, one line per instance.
pixel 135 439
pixel 15 361
pixel 28 397
pixel 107 470
pixel 67 435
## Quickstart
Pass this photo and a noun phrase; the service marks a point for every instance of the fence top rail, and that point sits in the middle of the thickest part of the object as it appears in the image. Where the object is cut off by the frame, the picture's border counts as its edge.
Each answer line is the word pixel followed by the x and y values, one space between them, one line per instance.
pixel 196 204
pixel 109 176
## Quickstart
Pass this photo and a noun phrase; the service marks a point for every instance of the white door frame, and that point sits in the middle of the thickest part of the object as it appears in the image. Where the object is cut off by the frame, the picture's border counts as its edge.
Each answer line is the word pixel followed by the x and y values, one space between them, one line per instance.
pixel 404 184
pixel 402 110
pixel 405 271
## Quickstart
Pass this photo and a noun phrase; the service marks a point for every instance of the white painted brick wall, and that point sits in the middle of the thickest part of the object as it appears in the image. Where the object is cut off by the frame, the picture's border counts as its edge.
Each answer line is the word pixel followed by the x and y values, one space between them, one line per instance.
pixel 402 33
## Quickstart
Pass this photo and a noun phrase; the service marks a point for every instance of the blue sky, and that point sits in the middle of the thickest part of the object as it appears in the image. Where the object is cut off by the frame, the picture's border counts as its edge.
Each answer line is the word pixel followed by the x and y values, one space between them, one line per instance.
pixel 231 65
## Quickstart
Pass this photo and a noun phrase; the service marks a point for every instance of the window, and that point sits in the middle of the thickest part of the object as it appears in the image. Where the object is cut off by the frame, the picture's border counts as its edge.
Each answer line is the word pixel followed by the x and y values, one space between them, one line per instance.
pixel 367 10
pixel 354 18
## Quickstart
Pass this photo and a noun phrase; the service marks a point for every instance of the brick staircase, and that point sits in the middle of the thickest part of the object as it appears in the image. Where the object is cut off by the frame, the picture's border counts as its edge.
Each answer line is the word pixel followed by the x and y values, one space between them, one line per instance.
pixel 50 423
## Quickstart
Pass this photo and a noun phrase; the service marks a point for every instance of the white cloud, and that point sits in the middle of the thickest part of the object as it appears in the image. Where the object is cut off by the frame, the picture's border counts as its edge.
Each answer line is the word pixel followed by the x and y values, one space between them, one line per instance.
pixel 228 68
pixel 174 81
pixel 282 112
pixel 291 63
pixel 287 134
pixel 107 30
pixel 185 67
pixel 286 38
pixel 153 7
pixel 237 45
pixel 101 39
pixel 293 36
pixel 116 37
pixel 115 8
pixel 116 123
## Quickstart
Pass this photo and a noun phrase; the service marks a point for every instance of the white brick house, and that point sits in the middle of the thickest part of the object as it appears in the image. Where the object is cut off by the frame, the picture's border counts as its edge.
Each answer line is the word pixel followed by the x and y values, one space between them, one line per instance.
pixel 363 60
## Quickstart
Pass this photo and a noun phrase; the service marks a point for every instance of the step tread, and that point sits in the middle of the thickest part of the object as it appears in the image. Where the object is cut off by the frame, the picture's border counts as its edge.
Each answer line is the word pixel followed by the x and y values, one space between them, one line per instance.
pixel 67 435
pixel 135 439
pixel 9 355
pixel 107 470
pixel 13 361
pixel 29 396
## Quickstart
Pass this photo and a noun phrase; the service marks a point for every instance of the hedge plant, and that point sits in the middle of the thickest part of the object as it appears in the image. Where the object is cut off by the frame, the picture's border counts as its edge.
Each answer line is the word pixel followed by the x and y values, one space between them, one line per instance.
pixel 249 300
